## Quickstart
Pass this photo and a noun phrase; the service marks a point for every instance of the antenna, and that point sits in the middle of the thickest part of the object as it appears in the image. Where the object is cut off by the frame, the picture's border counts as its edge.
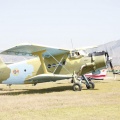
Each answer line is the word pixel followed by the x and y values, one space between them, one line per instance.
pixel 72 44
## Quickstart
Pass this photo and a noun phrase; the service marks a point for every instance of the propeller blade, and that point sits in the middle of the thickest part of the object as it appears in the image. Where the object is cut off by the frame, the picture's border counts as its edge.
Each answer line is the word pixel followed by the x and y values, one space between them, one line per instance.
pixel 111 67
pixel 109 62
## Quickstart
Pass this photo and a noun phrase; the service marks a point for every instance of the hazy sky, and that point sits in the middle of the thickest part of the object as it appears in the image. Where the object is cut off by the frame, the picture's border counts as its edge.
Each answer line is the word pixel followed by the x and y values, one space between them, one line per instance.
pixel 56 22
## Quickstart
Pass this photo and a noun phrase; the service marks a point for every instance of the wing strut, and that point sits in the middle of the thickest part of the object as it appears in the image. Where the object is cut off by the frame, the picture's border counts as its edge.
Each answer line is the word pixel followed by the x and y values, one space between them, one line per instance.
pixel 42 60
pixel 58 62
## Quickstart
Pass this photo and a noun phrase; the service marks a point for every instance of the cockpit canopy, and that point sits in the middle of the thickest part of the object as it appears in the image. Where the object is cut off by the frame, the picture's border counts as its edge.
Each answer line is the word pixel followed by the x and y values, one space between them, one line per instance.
pixel 78 53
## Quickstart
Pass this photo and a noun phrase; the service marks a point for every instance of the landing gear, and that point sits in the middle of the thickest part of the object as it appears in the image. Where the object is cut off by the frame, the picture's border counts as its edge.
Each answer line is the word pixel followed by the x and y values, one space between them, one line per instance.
pixel 91 85
pixel 9 85
pixel 34 84
pixel 77 87
pixel 77 83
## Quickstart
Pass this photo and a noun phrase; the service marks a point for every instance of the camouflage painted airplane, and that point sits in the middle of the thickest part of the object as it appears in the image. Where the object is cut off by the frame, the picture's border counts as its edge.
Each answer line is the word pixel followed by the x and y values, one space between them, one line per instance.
pixel 51 64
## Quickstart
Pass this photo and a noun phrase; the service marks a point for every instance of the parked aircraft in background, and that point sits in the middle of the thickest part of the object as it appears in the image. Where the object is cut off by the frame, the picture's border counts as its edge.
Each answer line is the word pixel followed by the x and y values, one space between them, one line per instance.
pixel 51 64
pixel 97 75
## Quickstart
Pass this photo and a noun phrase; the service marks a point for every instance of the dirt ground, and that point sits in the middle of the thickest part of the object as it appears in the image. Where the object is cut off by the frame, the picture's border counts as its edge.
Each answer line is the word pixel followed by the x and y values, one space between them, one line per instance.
pixel 57 101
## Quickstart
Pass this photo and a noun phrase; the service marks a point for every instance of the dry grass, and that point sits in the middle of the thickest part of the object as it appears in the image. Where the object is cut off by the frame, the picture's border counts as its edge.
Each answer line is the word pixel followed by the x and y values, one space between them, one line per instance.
pixel 57 101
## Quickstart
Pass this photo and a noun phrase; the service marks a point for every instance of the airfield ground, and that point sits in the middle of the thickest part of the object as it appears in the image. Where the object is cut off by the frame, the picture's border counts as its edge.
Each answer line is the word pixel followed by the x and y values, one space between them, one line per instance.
pixel 57 101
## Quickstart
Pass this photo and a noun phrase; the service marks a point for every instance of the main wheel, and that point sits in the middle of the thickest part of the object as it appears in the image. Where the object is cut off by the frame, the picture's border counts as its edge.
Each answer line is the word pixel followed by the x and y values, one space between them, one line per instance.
pixel 77 87
pixel 91 85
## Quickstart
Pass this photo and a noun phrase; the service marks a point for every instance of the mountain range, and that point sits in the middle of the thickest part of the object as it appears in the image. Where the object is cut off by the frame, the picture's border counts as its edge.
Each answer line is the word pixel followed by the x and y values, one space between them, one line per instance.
pixel 113 48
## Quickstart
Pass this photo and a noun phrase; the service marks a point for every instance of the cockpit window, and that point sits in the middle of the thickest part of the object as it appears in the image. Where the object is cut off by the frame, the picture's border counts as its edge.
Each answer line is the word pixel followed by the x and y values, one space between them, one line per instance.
pixel 78 53
pixel 83 52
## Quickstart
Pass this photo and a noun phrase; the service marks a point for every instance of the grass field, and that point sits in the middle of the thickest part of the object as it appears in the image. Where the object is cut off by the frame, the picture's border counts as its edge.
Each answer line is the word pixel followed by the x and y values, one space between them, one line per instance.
pixel 57 101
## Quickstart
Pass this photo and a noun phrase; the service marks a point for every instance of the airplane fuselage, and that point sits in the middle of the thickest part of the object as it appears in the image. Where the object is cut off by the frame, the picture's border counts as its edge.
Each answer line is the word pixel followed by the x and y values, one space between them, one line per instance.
pixel 19 73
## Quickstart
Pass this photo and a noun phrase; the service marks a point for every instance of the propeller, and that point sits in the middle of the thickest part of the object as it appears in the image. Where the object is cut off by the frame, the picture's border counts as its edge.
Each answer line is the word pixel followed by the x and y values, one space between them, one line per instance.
pixel 109 61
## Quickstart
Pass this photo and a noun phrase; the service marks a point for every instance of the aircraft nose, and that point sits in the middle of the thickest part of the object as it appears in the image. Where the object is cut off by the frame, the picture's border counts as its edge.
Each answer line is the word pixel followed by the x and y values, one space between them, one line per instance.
pixel 100 59
pixel 94 61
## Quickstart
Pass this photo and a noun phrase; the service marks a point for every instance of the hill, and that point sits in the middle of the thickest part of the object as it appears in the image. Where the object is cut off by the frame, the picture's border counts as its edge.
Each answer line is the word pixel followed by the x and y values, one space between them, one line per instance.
pixel 113 48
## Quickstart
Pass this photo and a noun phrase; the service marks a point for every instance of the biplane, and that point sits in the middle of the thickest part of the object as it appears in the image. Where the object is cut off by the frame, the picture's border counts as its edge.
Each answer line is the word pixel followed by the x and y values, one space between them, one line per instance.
pixel 49 64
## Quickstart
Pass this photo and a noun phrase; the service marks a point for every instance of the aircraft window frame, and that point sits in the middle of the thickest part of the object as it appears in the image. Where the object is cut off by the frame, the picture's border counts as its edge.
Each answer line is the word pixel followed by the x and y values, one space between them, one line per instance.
pixel 64 62
pixel 96 72
pixel 53 65
pixel 49 66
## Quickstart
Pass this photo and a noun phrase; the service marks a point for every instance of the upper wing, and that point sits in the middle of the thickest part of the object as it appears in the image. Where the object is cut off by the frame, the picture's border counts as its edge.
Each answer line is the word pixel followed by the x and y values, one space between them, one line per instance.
pixel 30 49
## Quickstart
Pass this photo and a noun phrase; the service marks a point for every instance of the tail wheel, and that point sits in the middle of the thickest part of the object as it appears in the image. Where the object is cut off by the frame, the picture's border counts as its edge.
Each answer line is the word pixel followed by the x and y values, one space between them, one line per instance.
pixel 77 87
pixel 91 85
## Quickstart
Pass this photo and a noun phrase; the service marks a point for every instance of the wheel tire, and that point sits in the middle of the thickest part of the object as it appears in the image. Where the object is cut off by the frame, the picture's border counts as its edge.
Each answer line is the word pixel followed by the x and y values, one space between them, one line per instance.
pixel 77 87
pixel 91 85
